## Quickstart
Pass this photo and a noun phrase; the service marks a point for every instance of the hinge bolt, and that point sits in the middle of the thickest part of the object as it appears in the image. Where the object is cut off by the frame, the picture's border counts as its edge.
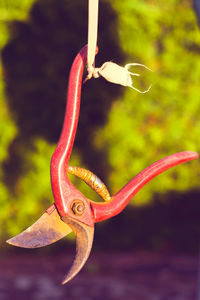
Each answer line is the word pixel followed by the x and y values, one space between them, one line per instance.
pixel 78 207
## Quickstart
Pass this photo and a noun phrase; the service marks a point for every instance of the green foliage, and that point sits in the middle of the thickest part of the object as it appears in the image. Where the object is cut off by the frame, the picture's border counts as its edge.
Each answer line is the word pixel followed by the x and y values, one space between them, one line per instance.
pixel 12 10
pixel 9 10
pixel 37 55
pixel 135 132
pixel 144 128
pixel 32 191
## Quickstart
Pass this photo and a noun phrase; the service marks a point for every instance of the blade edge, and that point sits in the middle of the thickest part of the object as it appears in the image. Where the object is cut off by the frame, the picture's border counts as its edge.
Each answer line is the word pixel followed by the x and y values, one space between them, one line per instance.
pixel 48 229
pixel 84 240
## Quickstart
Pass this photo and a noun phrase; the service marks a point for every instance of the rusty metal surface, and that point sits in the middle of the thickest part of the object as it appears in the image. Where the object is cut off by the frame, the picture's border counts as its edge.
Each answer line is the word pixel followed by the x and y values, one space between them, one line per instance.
pixel 84 240
pixel 48 229
pixel 92 180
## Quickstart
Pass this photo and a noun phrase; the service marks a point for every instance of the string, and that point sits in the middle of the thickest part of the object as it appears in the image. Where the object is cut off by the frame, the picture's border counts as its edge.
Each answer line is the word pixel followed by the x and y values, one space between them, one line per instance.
pixel 93 9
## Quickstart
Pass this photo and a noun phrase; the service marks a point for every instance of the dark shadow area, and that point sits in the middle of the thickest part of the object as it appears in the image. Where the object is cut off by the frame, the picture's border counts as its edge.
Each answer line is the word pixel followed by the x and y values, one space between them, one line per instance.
pixel 196 5
pixel 37 60
pixel 171 224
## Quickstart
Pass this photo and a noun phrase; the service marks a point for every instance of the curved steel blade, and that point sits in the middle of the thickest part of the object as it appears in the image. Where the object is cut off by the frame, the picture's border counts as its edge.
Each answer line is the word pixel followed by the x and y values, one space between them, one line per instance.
pixel 84 239
pixel 48 229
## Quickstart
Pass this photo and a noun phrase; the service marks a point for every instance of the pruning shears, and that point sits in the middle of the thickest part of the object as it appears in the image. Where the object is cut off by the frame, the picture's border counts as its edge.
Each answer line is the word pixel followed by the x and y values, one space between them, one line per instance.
pixel 72 211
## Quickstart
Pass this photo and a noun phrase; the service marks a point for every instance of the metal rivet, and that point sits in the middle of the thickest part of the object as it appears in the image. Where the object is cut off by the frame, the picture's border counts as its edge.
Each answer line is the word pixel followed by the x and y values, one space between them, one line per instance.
pixel 78 207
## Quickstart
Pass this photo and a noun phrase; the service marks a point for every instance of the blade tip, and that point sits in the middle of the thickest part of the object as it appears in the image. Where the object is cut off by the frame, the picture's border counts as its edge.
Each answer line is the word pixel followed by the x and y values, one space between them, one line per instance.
pixel 10 242
pixel 65 280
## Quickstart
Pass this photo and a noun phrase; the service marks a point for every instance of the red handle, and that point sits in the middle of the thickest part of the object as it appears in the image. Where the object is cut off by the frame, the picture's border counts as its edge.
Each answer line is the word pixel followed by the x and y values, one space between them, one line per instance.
pixel 103 211
pixel 63 190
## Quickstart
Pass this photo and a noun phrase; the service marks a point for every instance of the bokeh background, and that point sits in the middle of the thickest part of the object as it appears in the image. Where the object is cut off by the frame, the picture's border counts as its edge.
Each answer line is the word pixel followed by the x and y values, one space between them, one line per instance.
pixel 120 131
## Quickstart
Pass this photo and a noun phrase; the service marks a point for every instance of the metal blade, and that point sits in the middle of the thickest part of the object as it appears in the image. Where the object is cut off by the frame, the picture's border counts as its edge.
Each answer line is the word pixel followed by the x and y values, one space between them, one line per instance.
pixel 84 239
pixel 48 229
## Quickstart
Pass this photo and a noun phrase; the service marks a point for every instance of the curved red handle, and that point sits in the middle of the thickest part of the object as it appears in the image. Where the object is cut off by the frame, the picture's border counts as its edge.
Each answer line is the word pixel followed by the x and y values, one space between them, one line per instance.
pixel 63 190
pixel 103 211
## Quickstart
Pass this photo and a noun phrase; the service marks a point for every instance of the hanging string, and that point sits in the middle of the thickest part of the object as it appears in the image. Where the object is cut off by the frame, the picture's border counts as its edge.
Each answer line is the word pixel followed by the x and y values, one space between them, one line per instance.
pixel 93 10
pixel 109 70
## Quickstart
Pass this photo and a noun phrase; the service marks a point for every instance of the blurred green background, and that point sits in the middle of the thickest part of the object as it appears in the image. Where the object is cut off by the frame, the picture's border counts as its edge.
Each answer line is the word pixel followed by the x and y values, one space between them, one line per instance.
pixel 120 131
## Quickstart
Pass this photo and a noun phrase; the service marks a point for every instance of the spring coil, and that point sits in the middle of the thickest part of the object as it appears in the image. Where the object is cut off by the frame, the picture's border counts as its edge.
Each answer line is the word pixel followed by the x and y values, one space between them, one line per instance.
pixel 92 180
